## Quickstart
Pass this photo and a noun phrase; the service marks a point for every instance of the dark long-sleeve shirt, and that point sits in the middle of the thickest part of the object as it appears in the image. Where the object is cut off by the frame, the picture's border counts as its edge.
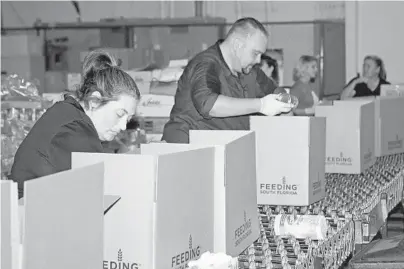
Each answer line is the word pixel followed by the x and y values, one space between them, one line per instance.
pixel 64 128
pixel 204 79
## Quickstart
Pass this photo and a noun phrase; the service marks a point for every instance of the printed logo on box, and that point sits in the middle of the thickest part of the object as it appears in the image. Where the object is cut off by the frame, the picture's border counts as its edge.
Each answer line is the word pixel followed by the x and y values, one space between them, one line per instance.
pixel 120 264
pixel 243 231
pixel 341 160
pixel 395 144
pixel 279 189
pixel 181 260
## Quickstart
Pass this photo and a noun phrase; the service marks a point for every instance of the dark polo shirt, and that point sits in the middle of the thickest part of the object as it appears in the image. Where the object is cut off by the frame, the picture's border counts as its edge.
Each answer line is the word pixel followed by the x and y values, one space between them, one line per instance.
pixel 204 79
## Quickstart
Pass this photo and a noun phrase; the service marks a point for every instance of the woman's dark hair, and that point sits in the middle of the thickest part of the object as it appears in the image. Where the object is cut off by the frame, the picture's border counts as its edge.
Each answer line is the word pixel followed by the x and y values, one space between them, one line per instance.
pixel 271 62
pixel 101 74
pixel 379 62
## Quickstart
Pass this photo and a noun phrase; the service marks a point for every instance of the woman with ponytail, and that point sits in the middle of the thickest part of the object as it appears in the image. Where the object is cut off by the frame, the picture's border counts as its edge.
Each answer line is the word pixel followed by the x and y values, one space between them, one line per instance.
pixel 96 111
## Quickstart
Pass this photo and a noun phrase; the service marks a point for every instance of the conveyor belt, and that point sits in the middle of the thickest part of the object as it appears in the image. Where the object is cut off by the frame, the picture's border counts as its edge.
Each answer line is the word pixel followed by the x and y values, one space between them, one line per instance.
pixel 355 206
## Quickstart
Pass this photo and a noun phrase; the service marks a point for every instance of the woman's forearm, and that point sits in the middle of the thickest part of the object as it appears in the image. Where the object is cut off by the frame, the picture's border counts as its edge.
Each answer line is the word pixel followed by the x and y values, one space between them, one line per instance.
pixel 348 91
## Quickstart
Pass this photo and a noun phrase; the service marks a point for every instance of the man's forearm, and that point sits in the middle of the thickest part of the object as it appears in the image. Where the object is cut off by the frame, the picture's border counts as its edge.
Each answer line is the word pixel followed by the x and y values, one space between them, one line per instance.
pixel 229 106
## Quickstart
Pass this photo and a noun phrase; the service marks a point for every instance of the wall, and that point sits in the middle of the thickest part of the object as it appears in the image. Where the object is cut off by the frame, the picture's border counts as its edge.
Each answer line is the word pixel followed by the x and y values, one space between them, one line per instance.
pixel 24 13
pixel 375 28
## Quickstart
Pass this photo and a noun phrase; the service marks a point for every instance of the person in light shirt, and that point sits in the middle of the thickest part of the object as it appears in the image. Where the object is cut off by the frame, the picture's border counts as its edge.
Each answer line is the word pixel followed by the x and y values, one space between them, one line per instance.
pixel 304 75
pixel 223 85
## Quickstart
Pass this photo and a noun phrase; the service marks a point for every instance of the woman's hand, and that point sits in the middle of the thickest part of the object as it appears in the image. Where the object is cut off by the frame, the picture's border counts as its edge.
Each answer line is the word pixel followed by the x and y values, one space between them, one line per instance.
pixel 310 110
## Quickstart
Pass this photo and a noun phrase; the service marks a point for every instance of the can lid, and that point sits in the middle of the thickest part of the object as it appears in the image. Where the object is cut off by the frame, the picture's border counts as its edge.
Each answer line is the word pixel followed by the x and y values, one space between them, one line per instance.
pixel 322 228
pixel 277 224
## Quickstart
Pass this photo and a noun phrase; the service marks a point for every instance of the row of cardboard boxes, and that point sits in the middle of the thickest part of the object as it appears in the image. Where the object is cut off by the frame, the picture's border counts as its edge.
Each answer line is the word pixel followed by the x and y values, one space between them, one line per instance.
pixel 33 67
pixel 179 200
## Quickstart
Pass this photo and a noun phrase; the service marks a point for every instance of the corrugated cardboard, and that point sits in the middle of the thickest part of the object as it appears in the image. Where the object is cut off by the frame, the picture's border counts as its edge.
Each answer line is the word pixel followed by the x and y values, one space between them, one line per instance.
pixel 290 159
pixel 235 206
pixel 389 123
pixel 350 139
pixel 64 215
pixel 21 45
pixel 164 217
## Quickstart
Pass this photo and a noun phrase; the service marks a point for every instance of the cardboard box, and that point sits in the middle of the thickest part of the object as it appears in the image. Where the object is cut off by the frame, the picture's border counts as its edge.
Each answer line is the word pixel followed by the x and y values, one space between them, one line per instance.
pixel 55 81
pixel 155 106
pixel 64 213
pixel 73 60
pixel 9 228
pixel 28 67
pixel 151 100
pixel 73 80
pixel 350 137
pixel 392 90
pixel 21 45
pixel 290 159
pixel 127 57
pixel 154 125
pixel 165 215
pixel 389 124
pixel 235 196
pixel 53 97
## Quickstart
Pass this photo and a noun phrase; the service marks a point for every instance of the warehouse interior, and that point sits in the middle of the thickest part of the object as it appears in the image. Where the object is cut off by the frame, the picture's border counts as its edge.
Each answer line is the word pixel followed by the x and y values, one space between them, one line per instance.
pixel 44 45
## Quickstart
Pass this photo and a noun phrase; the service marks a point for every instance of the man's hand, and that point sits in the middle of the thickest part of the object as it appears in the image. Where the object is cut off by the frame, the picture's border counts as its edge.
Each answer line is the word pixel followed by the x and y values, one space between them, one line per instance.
pixel 270 106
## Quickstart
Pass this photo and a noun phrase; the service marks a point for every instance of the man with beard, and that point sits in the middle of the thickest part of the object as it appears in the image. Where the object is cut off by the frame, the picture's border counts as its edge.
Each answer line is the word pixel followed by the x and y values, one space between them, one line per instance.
pixel 223 85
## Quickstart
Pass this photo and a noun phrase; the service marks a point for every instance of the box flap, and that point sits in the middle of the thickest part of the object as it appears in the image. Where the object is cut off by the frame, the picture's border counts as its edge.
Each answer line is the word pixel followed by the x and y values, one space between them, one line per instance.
pixel 109 202
pixel 367 135
pixel 70 206
pixel 219 182
pixel 133 178
pixel 391 125
pixel 215 137
pixel 242 228
pixel 10 228
pixel 184 212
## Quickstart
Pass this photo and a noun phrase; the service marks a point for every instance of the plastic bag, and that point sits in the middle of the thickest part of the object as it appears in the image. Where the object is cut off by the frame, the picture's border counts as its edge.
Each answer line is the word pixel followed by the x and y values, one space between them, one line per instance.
pixel 14 86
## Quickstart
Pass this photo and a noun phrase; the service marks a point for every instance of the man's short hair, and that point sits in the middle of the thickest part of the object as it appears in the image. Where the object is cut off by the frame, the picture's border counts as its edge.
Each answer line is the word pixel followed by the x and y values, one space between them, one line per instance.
pixel 245 26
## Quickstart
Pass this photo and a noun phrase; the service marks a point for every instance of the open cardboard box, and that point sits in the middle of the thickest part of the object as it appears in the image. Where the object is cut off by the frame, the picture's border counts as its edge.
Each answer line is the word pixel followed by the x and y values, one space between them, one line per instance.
pixel 9 226
pixel 290 159
pixel 350 138
pixel 235 198
pixel 165 215
pixel 389 123
pixel 62 222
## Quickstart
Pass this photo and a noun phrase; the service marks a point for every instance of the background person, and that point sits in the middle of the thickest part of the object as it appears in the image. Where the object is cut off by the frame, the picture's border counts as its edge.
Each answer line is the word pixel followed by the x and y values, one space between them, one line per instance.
pixel 373 76
pixel 304 75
